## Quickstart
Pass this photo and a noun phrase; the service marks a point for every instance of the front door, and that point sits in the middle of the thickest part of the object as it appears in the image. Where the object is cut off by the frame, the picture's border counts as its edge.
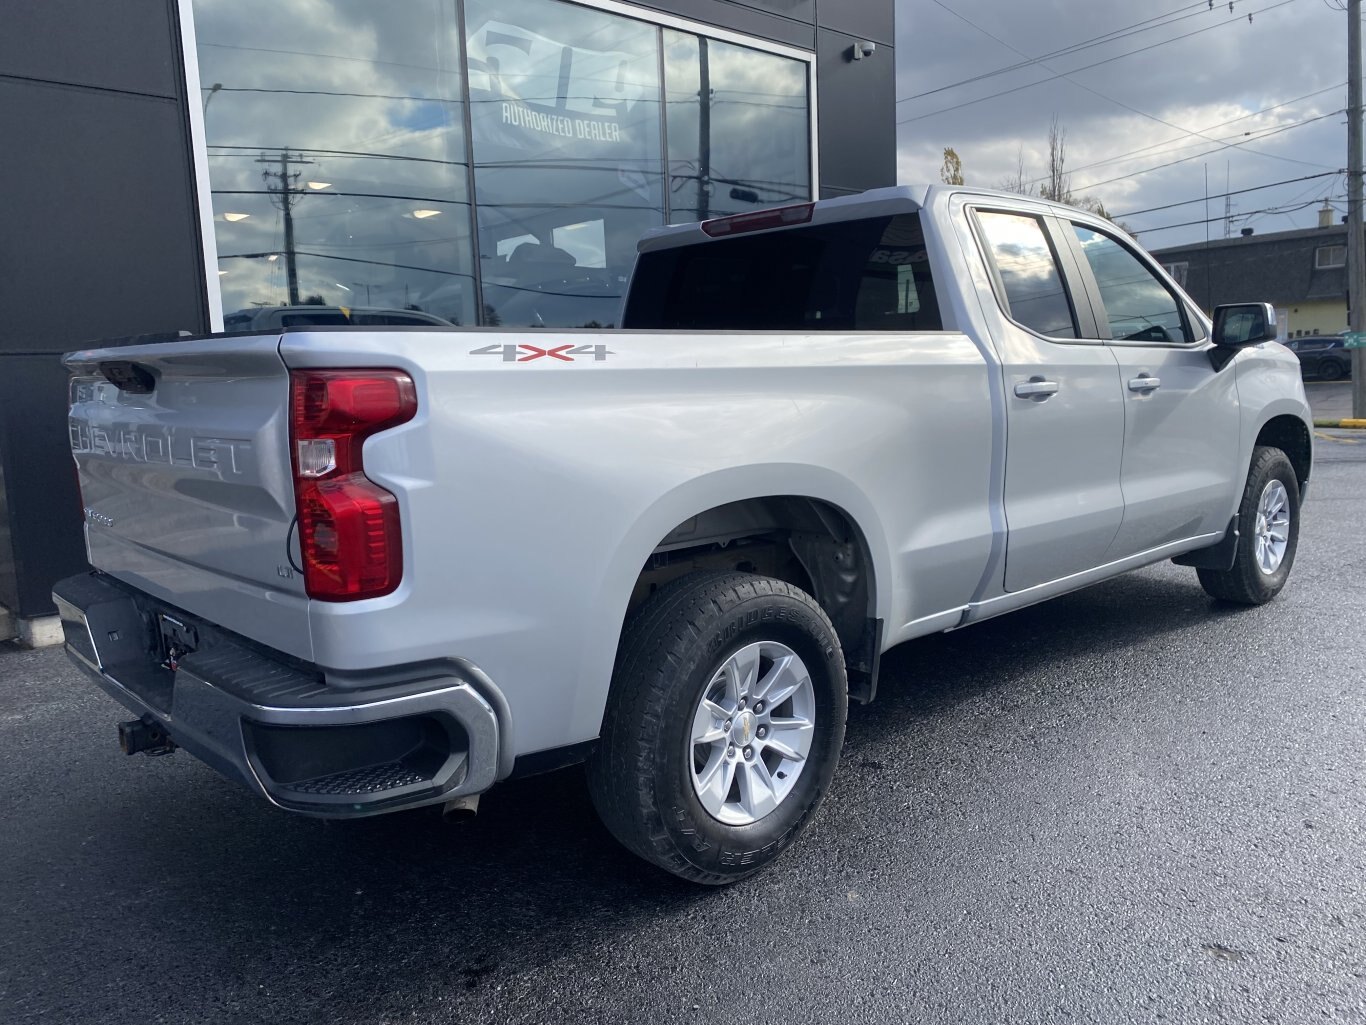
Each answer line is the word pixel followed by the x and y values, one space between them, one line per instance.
pixel 1064 414
pixel 1181 417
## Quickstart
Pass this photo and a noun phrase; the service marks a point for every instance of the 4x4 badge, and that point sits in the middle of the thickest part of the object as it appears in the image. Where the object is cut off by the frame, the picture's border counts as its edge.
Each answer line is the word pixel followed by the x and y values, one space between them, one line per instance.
pixel 524 353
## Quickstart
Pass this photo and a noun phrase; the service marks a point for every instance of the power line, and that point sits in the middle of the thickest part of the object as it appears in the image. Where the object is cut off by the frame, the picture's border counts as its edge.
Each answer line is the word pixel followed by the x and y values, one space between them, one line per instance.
pixel 1200 132
pixel 1235 192
pixel 1211 220
pixel 1097 92
pixel 1108 37
pixel 1253 218
pixel 1217 149
pixel 1088 67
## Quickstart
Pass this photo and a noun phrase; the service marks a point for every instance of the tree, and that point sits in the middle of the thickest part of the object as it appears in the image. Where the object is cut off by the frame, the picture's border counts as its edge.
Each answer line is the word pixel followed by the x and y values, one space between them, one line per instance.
pixel 1016 181
pixel 951 172
pixel 1057 183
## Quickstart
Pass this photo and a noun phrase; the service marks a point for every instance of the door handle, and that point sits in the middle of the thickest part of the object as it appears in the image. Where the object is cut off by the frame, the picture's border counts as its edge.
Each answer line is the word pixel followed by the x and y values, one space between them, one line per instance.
pixel 1144 382
pixel 1036 388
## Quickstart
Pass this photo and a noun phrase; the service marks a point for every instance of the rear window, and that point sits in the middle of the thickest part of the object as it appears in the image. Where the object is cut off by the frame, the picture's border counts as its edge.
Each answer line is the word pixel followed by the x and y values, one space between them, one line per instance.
pixel 865 275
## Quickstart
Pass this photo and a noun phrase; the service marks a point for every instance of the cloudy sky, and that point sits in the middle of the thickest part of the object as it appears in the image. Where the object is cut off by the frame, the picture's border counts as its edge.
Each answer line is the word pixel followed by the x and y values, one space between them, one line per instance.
pixel 1193 86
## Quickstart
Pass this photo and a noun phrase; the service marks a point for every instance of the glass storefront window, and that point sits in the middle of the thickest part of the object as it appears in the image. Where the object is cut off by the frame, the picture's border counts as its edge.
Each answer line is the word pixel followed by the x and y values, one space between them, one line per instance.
pixel 739 128
pixel 564 113
pixel 337 155
pixel 341 172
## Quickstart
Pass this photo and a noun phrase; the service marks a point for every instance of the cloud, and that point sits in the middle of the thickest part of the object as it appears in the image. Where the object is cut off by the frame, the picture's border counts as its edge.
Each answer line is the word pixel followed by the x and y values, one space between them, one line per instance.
pixel 1124 118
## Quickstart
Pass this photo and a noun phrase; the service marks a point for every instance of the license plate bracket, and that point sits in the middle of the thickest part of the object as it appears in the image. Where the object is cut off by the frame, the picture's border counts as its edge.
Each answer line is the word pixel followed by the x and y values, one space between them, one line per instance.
pixel 178 639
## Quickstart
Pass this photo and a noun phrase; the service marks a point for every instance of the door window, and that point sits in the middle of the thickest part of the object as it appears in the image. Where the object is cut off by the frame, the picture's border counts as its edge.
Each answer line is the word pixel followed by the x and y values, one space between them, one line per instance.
pixel 1034 292
pixel 1139 306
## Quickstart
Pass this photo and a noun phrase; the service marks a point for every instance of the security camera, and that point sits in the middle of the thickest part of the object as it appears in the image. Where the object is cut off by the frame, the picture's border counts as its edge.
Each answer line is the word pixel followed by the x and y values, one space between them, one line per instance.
pixel 862 49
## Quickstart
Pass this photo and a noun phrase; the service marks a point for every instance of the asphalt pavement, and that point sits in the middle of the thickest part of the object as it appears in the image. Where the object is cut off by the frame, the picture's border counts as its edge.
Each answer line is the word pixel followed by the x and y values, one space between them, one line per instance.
pixel 1131 804
pixel 1330 400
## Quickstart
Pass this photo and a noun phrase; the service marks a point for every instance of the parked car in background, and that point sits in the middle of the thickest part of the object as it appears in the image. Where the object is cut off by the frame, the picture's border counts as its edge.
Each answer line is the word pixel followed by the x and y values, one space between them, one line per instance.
pixel 1322 356
pixel 273 318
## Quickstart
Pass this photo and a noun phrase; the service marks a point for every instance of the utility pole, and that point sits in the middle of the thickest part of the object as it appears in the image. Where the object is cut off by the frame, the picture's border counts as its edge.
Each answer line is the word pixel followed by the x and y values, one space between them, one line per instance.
pixel 284 194
pixel 703 131
pixel 1356 273
pixel 1228 201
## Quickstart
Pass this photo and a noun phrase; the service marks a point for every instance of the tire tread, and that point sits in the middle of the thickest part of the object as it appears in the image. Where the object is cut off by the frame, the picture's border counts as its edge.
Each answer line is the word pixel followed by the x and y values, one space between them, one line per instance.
pixel 655 641
pixel 1244 583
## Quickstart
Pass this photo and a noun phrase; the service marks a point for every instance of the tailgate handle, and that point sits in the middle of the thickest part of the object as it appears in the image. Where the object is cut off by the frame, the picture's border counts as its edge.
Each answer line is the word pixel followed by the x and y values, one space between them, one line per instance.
pixel 128 377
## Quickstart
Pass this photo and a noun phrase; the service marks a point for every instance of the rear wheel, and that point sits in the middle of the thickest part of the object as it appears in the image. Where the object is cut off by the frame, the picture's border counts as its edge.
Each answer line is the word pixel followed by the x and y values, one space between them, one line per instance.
pixel 1330 369
pixel 1268 529
pixel 723 727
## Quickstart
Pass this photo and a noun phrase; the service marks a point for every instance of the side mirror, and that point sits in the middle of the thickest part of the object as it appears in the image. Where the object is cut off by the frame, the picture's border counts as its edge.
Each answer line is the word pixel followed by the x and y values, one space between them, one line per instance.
pixel 1244 324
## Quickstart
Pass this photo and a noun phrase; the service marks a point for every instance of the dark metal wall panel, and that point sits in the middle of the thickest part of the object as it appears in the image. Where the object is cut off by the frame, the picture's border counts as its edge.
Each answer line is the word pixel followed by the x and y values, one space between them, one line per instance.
pixel 127 45
pixel 801 10
pixel 9 578
pixel 100 237
pixel 865 19
pixel 40 483
pixel 743 18
pixel 96 189
pixel 857 115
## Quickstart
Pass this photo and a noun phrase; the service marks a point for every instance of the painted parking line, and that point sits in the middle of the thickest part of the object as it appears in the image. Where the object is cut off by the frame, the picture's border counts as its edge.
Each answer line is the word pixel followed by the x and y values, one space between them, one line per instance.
pixel 1340 438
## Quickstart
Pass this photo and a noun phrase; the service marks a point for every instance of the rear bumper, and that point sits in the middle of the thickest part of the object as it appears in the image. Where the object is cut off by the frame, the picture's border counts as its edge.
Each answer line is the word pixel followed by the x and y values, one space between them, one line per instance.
pixel 406 737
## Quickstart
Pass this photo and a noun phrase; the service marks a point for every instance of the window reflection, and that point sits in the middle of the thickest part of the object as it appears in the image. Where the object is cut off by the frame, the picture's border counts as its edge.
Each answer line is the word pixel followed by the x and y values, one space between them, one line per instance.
pixel 748 145
pixel 336 155
pixel 339 164
pixel 1029 273
pixel 568 163
pixel 1139 306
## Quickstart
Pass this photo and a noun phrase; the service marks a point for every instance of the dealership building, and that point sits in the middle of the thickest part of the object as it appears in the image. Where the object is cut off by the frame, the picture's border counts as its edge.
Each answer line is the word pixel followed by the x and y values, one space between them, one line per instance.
pixel 193 165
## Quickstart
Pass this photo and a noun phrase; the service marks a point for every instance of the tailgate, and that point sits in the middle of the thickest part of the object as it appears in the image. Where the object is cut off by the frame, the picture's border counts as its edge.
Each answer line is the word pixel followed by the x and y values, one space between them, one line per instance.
pixel 183 456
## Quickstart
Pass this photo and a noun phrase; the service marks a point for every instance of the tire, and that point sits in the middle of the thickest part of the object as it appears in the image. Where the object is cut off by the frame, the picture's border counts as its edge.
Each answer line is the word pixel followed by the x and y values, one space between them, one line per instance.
pixel 647 774
pixel 1330 370
pixel 1254 580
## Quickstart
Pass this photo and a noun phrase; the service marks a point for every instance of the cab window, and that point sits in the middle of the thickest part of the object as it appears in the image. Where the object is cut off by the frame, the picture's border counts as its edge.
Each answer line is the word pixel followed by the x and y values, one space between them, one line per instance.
pixel 1139 307
pixel 1035 296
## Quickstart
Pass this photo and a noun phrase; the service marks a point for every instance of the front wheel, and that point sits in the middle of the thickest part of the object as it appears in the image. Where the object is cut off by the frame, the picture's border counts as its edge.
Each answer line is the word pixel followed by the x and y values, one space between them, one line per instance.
pixel 1330 370
pixel 723 727
pixel 1268 529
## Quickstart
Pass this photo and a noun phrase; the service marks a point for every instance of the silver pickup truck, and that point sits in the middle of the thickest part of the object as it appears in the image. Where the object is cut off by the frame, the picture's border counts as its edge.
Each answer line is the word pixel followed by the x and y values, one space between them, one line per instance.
pixel 362 570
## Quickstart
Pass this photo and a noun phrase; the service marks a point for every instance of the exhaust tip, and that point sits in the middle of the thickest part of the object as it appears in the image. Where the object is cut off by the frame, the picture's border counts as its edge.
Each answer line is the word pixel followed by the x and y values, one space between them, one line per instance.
pixel 460 809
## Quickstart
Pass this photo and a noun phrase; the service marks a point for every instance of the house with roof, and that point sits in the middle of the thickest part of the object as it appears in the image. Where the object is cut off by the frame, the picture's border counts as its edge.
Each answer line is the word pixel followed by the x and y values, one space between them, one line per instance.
pixel 1303 273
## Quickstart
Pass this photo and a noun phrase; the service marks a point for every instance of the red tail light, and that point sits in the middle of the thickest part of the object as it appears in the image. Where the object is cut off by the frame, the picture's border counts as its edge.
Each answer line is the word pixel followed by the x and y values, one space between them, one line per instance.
pixel 349 531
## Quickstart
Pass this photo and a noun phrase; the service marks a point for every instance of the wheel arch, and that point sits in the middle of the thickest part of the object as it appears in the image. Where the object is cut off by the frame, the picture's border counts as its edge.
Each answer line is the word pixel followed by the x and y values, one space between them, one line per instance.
pixel 824 518
pixel 1291 435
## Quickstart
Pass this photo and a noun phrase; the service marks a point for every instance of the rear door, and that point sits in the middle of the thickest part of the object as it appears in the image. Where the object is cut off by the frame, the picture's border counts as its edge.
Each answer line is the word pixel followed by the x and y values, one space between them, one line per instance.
pixel 1181 419
pixel 1064 416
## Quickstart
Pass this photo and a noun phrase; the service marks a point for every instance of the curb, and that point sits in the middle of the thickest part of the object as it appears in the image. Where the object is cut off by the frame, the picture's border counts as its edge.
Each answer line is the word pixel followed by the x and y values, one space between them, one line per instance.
pixel 1349 422
pixel 41 632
